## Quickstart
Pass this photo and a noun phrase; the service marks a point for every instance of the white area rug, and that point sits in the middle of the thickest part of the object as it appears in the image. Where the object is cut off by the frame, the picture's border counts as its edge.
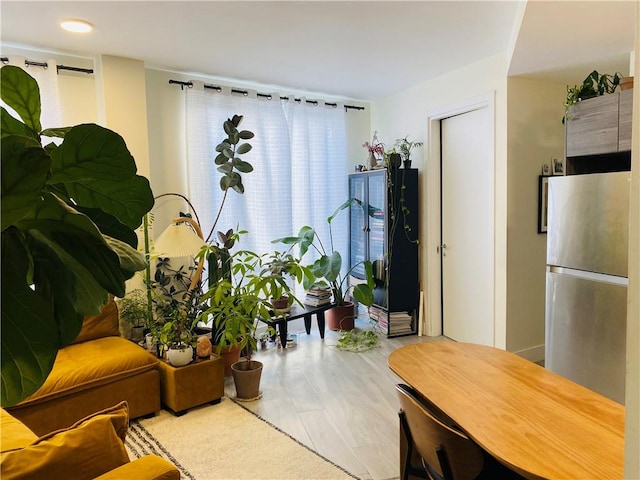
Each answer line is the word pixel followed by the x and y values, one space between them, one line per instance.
pixel 227 442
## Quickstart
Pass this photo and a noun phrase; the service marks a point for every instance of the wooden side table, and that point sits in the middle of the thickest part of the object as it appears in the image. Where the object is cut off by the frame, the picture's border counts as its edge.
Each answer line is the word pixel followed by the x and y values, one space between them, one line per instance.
pixel 200 382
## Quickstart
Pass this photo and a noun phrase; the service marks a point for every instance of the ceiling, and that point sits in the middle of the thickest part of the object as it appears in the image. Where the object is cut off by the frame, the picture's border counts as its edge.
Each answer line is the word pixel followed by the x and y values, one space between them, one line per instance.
pixel 361 50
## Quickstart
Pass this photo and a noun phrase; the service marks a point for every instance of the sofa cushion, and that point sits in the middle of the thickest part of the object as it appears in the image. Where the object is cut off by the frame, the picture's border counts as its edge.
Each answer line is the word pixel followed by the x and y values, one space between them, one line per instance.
pixel 87 449
pixel 15 434
pixel 104 324
pixel 104 360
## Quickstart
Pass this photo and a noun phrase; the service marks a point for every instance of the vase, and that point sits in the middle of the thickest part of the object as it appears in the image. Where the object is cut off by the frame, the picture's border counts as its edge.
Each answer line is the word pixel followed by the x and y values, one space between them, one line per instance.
pixel 395 160
pixel 407 164
pixel 373 163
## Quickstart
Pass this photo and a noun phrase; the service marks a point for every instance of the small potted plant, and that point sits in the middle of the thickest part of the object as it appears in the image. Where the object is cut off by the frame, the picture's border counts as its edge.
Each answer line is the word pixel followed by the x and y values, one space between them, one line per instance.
pixel 374 148
pixel 133 309
pixel 273 279
pixel 176 320
pixel 327 270
pixel 594 85
pixel 405 147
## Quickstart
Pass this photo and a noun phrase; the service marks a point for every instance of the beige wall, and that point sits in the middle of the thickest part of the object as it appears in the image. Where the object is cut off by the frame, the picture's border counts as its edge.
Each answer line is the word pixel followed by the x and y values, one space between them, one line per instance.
pixel 406 113
pixel 121 87
pixel 535 135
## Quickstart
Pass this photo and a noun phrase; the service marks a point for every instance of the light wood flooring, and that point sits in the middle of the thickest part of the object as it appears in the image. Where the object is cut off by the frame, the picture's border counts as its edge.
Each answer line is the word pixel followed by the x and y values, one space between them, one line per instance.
pixel 343 405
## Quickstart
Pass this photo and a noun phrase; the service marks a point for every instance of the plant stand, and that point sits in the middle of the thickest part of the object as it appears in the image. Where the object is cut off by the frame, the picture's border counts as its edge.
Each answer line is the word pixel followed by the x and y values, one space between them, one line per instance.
pixel 200 382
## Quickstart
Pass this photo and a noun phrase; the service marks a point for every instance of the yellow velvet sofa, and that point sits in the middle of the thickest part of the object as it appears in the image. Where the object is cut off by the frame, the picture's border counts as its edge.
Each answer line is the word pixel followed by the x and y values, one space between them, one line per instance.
pixel 92 448
pixel 98 370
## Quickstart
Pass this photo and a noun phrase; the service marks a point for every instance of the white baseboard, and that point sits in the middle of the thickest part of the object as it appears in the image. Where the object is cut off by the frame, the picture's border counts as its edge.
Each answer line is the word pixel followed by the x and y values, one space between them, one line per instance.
pixel 535 354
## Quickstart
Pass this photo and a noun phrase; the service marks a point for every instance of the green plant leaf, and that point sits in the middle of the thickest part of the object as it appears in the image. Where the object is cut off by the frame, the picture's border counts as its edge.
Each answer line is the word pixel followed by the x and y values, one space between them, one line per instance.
pixel 25 166
pixel 131 260
pixel 228 127
pixel 29 335
pixel 74 238
pixel 90 151
pixel 60 132
pixel 243 148
pixel 220 159
pixel 20 91
pixel 246 135
pixel 12 126
pixel 127 200
pixel 110 225
pixel 242 166
pixel 225 168
pixel 363 294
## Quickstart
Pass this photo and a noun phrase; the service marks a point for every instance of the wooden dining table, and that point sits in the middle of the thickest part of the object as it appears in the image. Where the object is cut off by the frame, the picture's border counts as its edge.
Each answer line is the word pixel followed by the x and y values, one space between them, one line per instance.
pixel 532 420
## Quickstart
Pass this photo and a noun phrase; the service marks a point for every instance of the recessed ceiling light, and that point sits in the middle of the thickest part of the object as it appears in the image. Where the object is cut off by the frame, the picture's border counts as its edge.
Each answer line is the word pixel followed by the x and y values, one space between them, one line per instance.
pixel 77 26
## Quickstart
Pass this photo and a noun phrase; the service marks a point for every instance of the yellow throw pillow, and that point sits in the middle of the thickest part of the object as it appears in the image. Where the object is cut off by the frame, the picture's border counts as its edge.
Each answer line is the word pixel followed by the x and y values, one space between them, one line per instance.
pixel 87 449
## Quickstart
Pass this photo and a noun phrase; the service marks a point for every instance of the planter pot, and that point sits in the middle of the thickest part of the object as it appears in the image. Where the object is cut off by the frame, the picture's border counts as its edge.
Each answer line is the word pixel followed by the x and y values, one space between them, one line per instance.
pixel 180 357
pixel 137 334
pixel 281 305
pixel 407 164
pixel 246 376
pixel 340 318
pixel 395 160
pixel 230 355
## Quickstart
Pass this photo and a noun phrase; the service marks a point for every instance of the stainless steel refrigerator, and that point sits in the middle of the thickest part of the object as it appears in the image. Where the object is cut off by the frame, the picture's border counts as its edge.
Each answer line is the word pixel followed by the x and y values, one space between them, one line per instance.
pixel 586 290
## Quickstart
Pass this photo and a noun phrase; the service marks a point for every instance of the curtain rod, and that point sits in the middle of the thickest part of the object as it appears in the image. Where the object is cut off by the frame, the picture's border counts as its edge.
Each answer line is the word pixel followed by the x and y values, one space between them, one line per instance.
pixel 262 95
pixel 45 65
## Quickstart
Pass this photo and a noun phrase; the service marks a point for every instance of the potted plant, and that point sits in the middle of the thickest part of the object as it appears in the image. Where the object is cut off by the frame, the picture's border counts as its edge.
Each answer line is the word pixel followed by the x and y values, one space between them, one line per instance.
pixel 273 279
pixel 175 323
pixel 133 310
pixel 405 147
pixel 594 85
pixel 64 248
pixel 234 304
pixel 327 270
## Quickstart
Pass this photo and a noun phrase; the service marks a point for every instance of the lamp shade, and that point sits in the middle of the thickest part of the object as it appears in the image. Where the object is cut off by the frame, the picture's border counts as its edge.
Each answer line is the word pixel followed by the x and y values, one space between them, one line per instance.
pixel 178 240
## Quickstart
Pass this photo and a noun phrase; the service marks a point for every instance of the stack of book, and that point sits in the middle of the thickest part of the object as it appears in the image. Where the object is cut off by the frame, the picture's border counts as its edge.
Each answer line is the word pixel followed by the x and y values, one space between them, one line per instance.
pixel 316 297
pixel 396 323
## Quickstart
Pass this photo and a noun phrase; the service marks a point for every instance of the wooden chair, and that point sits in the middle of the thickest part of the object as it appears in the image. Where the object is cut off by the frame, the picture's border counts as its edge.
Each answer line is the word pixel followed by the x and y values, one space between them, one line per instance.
pixel 447 453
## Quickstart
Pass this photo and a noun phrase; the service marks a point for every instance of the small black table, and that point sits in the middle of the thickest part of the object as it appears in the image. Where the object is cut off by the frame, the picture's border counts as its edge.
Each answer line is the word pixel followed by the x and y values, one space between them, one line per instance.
pixel 280 319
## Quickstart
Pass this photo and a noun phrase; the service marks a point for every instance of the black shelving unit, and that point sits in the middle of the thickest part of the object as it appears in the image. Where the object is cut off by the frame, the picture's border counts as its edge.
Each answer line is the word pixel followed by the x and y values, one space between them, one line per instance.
pixel 385 232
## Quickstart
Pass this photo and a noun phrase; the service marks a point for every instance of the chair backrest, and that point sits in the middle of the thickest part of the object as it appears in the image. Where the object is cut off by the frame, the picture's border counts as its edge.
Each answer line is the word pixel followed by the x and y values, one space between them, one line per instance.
pixel 431 437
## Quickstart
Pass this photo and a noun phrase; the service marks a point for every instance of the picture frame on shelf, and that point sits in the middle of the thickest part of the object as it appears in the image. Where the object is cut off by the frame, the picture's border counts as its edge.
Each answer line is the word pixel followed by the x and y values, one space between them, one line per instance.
pixel 558 167
pixel 543 198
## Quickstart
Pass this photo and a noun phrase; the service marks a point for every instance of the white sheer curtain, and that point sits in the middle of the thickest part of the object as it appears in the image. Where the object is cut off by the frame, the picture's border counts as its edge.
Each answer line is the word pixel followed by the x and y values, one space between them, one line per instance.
pixel 47 79
pixel 299 160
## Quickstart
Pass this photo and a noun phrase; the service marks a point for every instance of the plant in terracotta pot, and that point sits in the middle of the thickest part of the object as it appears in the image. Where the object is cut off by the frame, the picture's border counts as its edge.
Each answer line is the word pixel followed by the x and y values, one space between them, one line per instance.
pixel 234 304
pixel 279 269
pixel 326 270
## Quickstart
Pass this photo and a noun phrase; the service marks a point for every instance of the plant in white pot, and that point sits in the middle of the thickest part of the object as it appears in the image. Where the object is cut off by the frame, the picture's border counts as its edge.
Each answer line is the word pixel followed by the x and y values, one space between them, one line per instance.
pixel 326 270
pixel 175 323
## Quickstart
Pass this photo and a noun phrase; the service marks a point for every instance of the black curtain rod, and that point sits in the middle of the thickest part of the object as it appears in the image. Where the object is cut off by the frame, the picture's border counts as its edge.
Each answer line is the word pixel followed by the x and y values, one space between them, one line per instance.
pixel 262 95
pixel 45 65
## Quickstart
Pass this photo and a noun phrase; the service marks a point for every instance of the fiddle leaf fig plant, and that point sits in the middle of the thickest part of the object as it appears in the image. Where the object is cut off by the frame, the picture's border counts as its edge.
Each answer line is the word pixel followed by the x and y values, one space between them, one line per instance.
pixel 68 214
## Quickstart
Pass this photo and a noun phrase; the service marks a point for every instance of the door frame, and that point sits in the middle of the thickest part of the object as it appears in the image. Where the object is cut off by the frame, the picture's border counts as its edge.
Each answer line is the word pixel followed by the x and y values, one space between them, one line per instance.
pixel 432 325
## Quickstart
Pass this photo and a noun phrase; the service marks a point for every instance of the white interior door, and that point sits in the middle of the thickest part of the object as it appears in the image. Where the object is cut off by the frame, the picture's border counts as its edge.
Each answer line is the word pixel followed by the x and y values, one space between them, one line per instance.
pixel 467 228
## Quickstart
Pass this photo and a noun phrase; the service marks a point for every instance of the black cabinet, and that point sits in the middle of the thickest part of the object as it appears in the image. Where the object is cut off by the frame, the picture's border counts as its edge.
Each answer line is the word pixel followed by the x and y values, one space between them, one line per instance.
pixel 385 232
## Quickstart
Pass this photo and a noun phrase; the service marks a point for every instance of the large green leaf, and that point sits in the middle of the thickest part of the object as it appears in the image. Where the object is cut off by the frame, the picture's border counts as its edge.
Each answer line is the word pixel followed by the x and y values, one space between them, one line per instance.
pixel 29 335
pixel 12 126
pixel 110 225
pixel 74 238
pixel 25 166
pixel 127 200
pixel 20 91
pixel 131 260
pixel 91 152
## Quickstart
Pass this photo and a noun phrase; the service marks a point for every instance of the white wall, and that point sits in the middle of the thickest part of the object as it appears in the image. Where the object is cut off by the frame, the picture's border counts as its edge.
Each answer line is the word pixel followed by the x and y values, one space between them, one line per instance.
pixel 406 113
